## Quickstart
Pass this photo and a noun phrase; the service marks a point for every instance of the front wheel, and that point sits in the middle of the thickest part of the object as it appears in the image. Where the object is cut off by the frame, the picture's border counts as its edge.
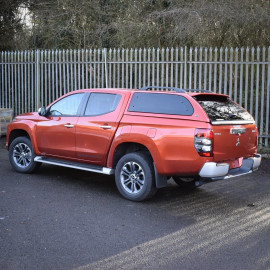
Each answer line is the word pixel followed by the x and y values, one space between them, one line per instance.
pixel 21 155
pixel 134 176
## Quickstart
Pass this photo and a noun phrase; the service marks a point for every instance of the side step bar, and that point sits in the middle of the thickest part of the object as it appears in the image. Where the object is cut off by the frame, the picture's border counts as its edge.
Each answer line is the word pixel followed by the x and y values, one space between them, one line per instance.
pixel 74 165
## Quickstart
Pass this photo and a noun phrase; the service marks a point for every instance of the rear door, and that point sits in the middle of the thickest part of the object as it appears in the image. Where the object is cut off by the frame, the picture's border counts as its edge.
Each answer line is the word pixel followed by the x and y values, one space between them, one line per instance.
pixel 235 132
pixel 97 126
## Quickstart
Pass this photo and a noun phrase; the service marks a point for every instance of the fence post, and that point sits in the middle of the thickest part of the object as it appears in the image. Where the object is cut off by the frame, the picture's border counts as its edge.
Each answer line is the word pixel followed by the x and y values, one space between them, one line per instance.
pixel 185 69
pixel 267 99
pixel 37 83
pixel 106 69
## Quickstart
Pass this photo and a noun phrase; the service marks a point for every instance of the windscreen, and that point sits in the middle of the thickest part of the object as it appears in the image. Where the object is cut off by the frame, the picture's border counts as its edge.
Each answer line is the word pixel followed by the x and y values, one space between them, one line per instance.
pixel 219 108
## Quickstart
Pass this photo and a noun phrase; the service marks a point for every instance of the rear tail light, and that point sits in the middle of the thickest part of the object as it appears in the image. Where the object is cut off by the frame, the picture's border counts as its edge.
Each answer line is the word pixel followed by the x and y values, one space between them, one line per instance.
pixel 203 141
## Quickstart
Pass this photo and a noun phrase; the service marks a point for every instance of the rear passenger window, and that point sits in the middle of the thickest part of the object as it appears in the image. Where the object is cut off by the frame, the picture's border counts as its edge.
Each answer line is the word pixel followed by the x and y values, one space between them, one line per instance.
pixel 160 103
pixel 101 103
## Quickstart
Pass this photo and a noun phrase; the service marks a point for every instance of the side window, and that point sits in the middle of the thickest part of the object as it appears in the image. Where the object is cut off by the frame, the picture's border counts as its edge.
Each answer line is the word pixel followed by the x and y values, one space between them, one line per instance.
pixel 101 103
pixel 160 103
pixel 67 106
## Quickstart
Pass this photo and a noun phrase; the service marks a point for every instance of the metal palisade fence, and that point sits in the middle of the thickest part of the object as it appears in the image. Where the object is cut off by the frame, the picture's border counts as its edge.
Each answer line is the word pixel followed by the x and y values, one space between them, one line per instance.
pixel 29 79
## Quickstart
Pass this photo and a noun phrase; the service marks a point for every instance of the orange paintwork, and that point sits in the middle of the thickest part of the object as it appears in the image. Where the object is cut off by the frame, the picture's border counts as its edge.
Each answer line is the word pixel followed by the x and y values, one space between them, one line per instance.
pixel 172 148
pixel 169 138
pixel 26 122
pixel 225 144
pixel 54 139
pixel 93 142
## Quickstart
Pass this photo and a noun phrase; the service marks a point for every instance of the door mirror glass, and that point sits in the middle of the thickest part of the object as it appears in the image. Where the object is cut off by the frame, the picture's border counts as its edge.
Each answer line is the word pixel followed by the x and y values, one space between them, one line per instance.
pixel 42 111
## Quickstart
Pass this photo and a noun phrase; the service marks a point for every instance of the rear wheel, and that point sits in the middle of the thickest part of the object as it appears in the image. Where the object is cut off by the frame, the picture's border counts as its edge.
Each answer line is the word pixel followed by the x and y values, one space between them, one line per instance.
pixel 21 155
pixel 134 176
pixel 188 183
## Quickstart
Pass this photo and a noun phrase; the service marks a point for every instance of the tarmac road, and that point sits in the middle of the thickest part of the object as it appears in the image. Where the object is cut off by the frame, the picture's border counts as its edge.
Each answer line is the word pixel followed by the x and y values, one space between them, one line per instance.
pixel 61 218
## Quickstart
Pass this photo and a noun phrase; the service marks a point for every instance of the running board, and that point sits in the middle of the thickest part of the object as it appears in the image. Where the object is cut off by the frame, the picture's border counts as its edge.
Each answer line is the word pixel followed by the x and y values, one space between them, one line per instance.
pixel 74 165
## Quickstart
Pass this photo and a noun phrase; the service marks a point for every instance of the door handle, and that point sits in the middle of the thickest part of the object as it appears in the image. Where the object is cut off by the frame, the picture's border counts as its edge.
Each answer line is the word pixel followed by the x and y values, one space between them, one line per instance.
pixel 68 125
pixel 106 127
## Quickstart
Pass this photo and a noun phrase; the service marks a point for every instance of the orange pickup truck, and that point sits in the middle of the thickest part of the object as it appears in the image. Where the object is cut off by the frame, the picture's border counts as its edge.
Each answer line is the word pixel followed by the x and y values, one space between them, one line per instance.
pixel 143 137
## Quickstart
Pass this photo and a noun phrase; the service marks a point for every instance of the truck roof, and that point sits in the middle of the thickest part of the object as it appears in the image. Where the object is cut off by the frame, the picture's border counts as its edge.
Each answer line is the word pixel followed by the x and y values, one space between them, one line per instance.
pixel 190 92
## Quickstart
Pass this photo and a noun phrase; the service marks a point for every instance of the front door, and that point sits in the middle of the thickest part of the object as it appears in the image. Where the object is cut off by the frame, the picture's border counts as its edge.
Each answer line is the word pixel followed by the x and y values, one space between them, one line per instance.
pixel 56 131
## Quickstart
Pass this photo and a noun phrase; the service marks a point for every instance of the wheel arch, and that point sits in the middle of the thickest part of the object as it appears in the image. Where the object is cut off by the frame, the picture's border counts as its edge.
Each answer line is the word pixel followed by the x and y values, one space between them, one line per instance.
pixel 131 147
pixel 24 129
pixel 128 147
pixel 15 133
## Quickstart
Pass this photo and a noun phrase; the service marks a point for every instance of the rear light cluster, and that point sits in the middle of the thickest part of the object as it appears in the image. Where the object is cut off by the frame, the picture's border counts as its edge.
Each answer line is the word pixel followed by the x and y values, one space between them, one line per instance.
pixel 203 141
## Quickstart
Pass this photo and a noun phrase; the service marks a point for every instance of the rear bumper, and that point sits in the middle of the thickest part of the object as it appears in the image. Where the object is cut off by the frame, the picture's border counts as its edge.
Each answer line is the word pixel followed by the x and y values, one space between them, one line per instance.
pixel 218 171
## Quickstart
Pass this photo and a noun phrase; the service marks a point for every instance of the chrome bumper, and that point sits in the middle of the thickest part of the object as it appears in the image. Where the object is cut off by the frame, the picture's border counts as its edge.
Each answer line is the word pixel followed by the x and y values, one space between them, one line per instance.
pixel 218 171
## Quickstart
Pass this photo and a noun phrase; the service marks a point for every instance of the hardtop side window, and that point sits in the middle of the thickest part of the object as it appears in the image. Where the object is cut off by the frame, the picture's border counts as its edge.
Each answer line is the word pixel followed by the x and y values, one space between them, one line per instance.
pixel 222 108
pixel 67 106
pixel 101 103
pixel 160 104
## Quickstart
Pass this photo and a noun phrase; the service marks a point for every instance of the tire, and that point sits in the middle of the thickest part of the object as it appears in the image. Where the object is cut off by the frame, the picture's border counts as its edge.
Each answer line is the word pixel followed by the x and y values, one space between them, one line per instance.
pixel 134 177
pixel 21 155
pixel 188 183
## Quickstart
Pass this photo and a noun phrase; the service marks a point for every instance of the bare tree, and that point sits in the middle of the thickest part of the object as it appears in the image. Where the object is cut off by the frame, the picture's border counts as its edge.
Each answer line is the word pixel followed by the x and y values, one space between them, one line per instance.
pixel 67 24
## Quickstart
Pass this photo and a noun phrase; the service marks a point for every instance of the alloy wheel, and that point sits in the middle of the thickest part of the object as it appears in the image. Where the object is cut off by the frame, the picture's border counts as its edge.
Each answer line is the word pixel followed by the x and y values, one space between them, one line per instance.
pixel 22 155
pixel 132 177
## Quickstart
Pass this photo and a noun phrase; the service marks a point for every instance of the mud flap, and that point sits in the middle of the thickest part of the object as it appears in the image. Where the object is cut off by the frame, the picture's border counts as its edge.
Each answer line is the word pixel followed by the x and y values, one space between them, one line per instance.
pixel 161 180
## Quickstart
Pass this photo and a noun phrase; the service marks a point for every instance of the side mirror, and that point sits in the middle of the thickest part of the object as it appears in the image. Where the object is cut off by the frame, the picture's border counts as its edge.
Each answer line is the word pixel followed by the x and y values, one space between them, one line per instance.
pixel 42 111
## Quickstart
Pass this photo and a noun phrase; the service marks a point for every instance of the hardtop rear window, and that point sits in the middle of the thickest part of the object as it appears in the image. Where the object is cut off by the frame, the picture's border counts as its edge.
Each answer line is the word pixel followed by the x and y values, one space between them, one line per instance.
pixel 219 108
pixel 160 104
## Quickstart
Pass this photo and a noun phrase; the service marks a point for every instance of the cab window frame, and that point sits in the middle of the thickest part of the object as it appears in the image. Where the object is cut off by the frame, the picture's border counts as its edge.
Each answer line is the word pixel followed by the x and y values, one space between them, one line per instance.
pixel 99 114
pixel 80 106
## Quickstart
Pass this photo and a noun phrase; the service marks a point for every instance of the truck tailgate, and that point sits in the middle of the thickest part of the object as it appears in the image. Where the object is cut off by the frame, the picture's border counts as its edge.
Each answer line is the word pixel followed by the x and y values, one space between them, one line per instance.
pixel 234 141
pixel 234 129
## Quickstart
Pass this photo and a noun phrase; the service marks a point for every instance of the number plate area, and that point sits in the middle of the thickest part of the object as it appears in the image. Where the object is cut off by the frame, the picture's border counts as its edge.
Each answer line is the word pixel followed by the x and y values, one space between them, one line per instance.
pixel 236 163
pixel 238 130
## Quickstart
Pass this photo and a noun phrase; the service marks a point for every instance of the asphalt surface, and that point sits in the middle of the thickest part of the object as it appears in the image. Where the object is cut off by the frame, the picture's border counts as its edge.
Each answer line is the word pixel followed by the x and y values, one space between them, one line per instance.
pixel 61 218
